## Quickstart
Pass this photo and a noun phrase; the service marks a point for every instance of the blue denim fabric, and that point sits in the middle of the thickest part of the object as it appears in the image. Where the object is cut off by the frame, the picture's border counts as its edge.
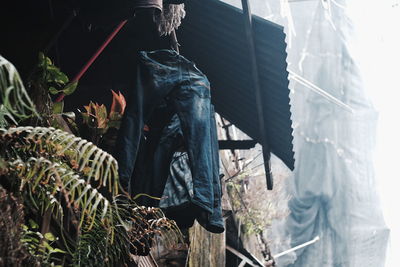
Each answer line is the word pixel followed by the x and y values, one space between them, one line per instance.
pixel 177 198
pixel 214 222
pixel 154 157
pixel 164 75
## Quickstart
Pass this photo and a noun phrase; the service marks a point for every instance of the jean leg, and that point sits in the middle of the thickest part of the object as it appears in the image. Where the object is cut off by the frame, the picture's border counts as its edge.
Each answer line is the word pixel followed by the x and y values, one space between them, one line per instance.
pixel 129 136
pixel 157 72
pixel 193 104
pixel 216 223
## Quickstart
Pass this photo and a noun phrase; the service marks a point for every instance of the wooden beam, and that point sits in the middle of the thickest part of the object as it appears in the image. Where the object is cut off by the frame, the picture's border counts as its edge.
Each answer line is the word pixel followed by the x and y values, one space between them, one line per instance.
pixel 241 256
pixel 233 144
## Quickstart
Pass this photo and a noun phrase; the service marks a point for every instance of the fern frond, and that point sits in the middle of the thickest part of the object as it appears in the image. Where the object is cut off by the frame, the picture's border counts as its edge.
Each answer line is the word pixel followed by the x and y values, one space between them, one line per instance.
pixel 15 104
pixel 57 145
pixel 41 172
pixel 51 166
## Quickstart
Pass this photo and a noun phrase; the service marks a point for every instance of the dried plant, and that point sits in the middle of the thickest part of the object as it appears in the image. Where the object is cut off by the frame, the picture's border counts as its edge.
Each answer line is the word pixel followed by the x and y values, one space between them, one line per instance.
pixel 171 18
pixel 12 250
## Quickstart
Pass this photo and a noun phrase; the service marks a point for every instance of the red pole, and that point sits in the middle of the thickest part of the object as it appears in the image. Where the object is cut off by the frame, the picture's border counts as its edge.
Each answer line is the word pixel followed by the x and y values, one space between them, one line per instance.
pixel 95 56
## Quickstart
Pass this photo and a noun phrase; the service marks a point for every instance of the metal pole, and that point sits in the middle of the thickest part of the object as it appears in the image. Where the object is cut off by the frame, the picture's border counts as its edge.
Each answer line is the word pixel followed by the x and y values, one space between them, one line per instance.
pixel 297 247
pixel 95 56
pixel 257 90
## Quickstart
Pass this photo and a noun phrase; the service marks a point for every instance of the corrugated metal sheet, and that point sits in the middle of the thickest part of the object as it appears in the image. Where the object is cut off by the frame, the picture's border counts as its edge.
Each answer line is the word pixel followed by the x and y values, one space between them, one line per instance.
pixel 213 36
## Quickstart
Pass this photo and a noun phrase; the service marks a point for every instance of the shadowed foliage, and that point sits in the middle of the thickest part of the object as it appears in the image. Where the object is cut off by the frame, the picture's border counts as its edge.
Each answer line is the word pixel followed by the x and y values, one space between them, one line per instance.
pixel 60 197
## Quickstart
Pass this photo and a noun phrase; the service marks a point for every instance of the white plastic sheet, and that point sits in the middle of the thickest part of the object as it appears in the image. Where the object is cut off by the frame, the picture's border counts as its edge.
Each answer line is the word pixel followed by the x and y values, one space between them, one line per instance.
pixel 334 191
pixel 333 186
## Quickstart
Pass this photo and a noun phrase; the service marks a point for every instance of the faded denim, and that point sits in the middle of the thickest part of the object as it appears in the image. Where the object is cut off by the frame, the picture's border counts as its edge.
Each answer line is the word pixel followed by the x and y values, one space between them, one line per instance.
pixel 164 75
pixel 178 192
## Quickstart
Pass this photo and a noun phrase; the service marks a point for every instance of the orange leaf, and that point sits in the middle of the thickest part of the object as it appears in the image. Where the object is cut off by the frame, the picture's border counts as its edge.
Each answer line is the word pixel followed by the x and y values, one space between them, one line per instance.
pixel 118 103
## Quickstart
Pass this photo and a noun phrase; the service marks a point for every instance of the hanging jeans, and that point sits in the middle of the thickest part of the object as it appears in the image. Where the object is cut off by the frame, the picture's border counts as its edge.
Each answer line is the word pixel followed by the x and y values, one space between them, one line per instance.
pixel 178 193
pixel 164 75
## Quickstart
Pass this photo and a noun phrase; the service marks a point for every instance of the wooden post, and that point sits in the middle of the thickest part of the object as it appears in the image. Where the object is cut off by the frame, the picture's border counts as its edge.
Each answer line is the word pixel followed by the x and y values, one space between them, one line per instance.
pixel 206 249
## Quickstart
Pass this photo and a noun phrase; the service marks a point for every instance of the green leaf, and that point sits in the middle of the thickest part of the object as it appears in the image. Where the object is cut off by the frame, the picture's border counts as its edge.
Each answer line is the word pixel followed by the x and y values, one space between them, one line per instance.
pixel 33 224
pixel 53 90
pixel 57 250
pixel 47 246
pixel 58 107
pixel 41 59
pixel 70 88
pixel 49 236
pixel 44 61
pixel 48 61
pixel 55 75
pixel 61 78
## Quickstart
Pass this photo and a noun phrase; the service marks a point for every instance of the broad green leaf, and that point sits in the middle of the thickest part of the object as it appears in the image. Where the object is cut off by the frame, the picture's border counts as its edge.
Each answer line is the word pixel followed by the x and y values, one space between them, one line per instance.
pixel 58 107
pixel 53 90
pixel 70 88
pixel 55 75
pixel 61 78
pixel 49 236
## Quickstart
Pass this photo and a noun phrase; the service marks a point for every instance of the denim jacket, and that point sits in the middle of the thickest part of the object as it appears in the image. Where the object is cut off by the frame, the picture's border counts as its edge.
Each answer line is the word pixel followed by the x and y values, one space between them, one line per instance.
pixel 164 76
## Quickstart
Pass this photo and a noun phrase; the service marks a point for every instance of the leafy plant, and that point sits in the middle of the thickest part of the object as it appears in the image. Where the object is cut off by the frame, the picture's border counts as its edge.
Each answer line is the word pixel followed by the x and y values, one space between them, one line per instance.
pixel 97 121
pixel 252 219
pixel 40 246
pixel 15 104
pixel 69 187
pixel 97 117
pixel 48 79
pixel 58 173
pixel 117 108
pixel 53 80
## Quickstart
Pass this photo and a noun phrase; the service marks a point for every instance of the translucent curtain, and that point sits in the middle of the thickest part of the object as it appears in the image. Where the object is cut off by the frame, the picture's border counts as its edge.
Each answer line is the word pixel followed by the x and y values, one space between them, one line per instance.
pixel 333 189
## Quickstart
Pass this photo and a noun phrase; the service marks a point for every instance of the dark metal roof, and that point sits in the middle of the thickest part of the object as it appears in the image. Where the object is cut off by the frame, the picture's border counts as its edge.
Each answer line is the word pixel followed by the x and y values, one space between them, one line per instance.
pixel 213 36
